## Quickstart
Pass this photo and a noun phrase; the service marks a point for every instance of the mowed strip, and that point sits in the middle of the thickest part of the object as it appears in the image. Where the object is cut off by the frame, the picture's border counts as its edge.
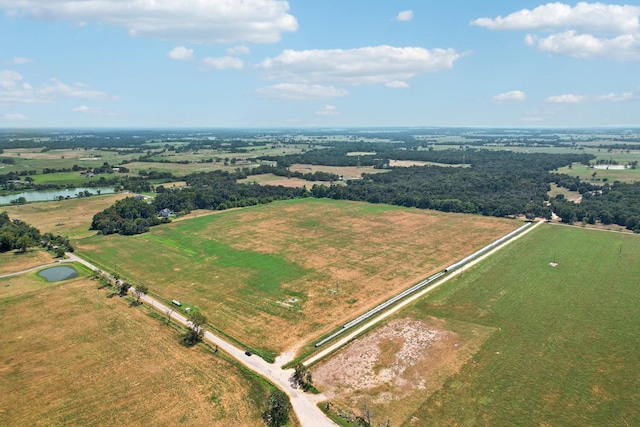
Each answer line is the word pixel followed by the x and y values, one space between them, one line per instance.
pixel 302 266
pixel 71 356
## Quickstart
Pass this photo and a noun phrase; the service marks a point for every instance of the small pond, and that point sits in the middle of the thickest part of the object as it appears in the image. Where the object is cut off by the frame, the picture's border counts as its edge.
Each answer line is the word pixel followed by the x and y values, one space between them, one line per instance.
pixel 56 274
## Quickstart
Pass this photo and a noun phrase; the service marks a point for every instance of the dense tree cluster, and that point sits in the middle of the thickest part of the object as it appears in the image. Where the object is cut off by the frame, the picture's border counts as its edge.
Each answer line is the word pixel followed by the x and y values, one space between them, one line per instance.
pixel 127 216
pixel 16 234
pixel 618 203
pixel 219 190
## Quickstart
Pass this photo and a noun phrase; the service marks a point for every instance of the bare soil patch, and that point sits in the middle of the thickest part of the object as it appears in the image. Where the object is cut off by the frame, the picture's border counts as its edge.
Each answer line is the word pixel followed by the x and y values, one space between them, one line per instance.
pixel 395 368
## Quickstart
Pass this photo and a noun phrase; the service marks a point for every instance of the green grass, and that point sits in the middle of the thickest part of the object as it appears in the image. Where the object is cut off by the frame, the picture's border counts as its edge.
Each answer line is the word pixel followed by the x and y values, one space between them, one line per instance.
pixel 566 348
pixel 257 271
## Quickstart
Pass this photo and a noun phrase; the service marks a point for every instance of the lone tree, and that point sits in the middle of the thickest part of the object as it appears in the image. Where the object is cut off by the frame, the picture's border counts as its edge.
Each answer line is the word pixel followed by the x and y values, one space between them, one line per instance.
pixel 194 333
pixel 139 291
pixel 277 411
pixel 302 377
pixel 124 288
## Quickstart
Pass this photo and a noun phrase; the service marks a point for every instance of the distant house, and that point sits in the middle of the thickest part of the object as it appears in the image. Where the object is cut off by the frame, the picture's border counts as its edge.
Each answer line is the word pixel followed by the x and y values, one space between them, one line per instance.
pixel 164 213
pixel 138 197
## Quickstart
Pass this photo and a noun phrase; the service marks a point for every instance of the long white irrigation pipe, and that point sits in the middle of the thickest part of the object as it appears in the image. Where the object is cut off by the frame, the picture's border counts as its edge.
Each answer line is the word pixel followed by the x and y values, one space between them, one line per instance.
pixel 421 285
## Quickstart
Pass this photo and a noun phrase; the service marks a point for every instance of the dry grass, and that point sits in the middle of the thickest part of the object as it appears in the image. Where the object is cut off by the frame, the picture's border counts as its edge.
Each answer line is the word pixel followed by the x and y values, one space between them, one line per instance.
pixel 348 172
pixel 17 261
pixel 71 218
pixel 258 271
pixel 394 368
pixel 73 357
pixel 271 179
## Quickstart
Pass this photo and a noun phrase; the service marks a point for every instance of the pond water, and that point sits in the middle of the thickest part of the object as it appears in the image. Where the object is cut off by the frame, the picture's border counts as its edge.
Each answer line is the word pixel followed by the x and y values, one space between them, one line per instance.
pixel 56 274
pixel 39 196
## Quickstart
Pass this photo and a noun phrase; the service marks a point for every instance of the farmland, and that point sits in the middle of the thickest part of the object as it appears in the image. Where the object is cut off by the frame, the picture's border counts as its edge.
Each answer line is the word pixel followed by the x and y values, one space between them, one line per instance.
pixel 301 266
pixel 70 218
pixel 71 356
pixel 564 347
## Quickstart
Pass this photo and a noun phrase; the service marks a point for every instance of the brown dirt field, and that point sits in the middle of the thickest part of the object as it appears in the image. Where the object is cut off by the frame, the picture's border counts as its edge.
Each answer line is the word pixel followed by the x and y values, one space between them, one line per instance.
pixel 394 368
pixel 71 218
pixel 71 356
pixel 348 172
pixel 17 261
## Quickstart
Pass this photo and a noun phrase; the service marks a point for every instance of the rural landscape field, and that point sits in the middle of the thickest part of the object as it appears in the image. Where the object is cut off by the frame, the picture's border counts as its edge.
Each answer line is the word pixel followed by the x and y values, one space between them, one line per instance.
pixel 73 356
pixel 303 266
pixel 281 241
pixel 541 333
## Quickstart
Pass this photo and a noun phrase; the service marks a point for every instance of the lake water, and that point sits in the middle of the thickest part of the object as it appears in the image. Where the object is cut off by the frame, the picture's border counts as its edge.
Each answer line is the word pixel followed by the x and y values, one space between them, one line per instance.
pixel 40 196
pixel 56 274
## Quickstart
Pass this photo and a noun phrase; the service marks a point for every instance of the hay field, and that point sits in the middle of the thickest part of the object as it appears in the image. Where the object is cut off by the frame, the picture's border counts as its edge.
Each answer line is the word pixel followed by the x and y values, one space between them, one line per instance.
pixel 348 172
pixel 300 266
pixel 271 179
pixel 71 356
pixel 70 218
pixel 13 261
pixel 565 351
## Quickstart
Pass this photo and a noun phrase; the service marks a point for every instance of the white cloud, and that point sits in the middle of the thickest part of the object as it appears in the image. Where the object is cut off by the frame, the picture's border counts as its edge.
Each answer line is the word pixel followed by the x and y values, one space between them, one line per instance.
pixel 238 50
pixel 586 30
pixel 15 117
pixel 222 63
pixel 619 97
pixel 300 91
pixel 180 53
pixel 14 91
pixel 19 60
pixel 623 47
pixel 327 111
pixel 590 17
pixel 194 21
pixel 367 65
pixel 565 99
pixel 404 16
pixel 397 84
pixel 511 96
pixel 84 109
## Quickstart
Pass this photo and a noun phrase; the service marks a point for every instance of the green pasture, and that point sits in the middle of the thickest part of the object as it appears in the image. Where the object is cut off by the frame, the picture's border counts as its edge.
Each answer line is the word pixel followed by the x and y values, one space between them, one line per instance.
pixel 611 175
pixel 565 352
pixel 258 270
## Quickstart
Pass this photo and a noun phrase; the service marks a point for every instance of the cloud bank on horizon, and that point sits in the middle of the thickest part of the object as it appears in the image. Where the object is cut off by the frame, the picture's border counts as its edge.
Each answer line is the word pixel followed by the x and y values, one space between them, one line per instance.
pixel 210 63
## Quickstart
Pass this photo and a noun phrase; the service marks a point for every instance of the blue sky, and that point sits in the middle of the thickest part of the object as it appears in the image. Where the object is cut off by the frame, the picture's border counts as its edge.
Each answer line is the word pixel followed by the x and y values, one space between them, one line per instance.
pixel 298 63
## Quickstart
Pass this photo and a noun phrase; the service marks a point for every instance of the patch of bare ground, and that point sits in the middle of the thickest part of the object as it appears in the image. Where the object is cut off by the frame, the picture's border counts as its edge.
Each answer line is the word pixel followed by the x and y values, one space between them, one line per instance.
pixel 395 368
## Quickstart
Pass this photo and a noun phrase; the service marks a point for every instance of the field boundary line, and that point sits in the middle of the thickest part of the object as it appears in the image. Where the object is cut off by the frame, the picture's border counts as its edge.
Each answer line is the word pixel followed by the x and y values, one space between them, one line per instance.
pixel 403 303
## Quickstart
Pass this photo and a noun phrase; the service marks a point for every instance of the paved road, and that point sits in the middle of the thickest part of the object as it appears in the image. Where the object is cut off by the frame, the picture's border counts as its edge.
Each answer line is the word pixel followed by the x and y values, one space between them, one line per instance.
pixel 303 403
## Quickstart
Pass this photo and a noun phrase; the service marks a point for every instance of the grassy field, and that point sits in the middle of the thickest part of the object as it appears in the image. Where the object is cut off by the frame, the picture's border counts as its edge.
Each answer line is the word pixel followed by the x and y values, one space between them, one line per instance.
pixel 13 261
pixel 585 174
pixel 565 350
pixel 70 218
pixel 71 356
pixel 348 172
pixel 301 266
pixel 271 179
